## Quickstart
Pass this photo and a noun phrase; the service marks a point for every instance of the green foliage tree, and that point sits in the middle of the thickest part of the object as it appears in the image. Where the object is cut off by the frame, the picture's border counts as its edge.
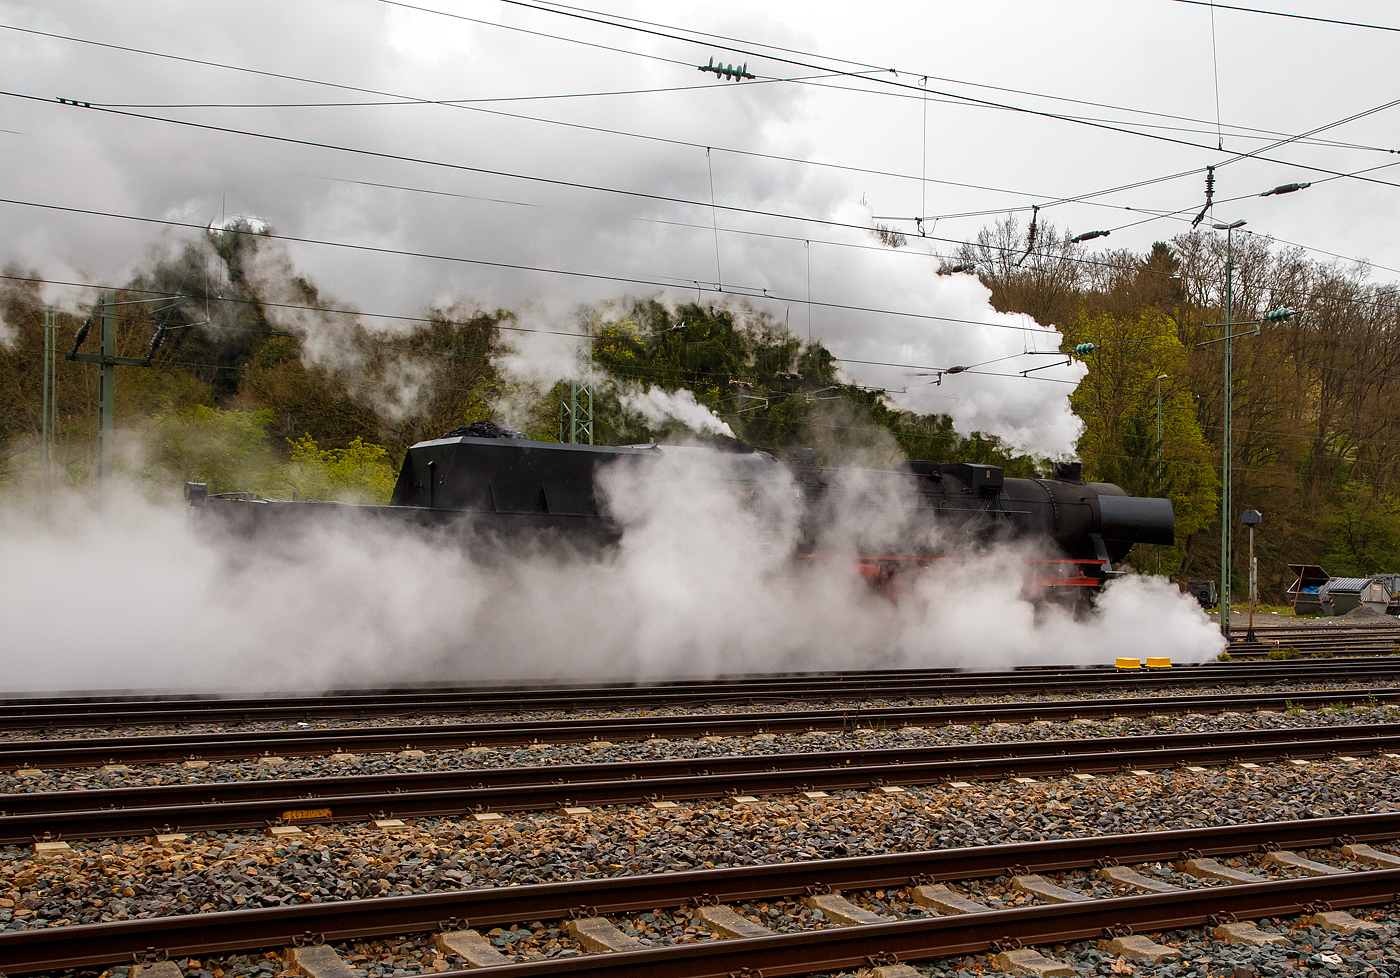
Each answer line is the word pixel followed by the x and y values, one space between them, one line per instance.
pixel 1117 401
pixel 227 450
pixel 1365 533
pixel 358 473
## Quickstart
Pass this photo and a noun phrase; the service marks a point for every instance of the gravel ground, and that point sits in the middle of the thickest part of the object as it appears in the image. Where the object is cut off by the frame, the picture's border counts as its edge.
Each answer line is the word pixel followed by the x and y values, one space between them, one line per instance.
pixel 114 880
pixel 601 752
pixel 710 708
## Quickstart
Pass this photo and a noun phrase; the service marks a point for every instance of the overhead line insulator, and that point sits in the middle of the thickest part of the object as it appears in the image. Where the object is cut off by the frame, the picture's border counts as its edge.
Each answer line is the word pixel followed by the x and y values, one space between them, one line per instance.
pixel 727 71
pixel 1286 188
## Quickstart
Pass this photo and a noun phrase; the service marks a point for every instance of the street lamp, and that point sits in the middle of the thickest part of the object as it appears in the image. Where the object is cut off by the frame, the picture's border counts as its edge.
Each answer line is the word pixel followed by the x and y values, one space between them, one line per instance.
pixel 1251 518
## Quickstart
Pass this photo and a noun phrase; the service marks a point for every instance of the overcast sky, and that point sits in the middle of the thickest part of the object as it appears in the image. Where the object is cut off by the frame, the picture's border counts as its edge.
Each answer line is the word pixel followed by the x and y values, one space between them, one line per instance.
pixel 1277 77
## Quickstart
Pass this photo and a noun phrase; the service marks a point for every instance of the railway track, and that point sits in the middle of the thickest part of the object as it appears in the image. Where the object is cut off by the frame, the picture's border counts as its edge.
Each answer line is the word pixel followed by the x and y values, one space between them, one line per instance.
pixel 1380 638
pixel 55 712
pixel 236 745
pixel 1316 648
pixel 962 928
pixel 254 804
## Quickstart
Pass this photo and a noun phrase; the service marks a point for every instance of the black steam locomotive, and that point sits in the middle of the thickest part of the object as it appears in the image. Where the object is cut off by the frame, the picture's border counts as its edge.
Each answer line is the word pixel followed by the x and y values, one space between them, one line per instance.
pixel 505 490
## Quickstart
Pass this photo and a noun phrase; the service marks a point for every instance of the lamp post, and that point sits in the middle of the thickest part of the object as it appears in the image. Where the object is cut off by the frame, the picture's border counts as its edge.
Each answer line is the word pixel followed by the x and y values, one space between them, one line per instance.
pixel 1251 518
pixel 1158 487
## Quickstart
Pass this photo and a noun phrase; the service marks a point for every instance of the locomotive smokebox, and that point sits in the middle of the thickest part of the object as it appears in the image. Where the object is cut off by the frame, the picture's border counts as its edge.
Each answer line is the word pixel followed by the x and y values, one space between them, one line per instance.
pixel 1136 519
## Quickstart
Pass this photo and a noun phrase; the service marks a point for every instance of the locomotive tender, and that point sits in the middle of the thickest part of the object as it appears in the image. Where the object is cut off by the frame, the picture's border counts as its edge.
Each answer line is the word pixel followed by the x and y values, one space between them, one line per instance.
pixel 508 489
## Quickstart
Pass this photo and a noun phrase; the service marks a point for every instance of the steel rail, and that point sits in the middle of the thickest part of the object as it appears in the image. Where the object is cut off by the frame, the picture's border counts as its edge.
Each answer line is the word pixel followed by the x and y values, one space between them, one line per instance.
pixel 81 945
pixel 1378 640
pixel 1365 736
pixel 60 712
pixel 1323 626
pixel 838 948
pixel 1256 652
pixel 95 814
pixel 173 748
pixel 1374 637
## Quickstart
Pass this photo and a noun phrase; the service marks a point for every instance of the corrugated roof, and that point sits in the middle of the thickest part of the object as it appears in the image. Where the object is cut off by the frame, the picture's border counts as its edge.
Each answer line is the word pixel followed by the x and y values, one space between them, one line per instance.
pixel 1348 585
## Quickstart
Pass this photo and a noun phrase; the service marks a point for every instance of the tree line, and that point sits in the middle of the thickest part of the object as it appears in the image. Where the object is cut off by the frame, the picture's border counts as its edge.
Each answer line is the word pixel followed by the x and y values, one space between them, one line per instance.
pixel 1316 440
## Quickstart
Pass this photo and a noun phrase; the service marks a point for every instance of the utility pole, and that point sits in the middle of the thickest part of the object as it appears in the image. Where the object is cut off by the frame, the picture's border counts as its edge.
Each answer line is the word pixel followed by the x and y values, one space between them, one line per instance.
pixel 1158 487
pixel 1277 316
pixel 105 312
pixel 576 408
pixel 49 411
pixel 576 414
pixel 106 388
pixel 1225 451
pixel 1226 501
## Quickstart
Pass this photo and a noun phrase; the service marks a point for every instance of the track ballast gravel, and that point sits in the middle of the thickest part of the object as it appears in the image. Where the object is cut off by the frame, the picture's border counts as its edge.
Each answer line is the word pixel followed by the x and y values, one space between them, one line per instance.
pixel 113 880
pixel 552 754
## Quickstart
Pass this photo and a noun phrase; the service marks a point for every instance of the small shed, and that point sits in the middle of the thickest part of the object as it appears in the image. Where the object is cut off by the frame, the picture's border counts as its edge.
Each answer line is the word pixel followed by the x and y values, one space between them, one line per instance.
pixel 1308 580
pixel 1343 593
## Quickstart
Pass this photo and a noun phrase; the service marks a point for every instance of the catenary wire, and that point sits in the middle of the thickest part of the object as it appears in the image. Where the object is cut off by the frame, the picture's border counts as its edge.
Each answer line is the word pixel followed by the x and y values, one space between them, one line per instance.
pixel 915 90
pixel 1290 16
pixel 414 100
pixel 906 71
pixel 298 78
pixel 508 175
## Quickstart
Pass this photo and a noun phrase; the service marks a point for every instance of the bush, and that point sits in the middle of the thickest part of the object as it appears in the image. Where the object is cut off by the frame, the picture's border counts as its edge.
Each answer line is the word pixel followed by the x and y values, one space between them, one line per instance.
pixel 1284 653
pixel 228 450
pixel 360 473
pixel 1227 657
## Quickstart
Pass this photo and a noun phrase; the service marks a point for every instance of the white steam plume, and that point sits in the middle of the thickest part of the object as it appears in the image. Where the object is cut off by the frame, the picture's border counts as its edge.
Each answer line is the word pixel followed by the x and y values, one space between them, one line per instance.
pixel 127 597
pixel 659 406
pixel 512 226
pixel 332 339
pixel 545 345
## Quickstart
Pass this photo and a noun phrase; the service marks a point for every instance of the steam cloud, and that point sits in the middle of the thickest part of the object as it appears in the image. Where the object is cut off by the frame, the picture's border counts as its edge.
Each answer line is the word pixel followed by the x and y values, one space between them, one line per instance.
pixel 659 406
pixel 126 596
pixel 329 337
pixel 930 321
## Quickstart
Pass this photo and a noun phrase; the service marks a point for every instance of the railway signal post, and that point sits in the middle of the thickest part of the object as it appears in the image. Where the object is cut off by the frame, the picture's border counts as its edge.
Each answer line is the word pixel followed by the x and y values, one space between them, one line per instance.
pixel 1251 519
